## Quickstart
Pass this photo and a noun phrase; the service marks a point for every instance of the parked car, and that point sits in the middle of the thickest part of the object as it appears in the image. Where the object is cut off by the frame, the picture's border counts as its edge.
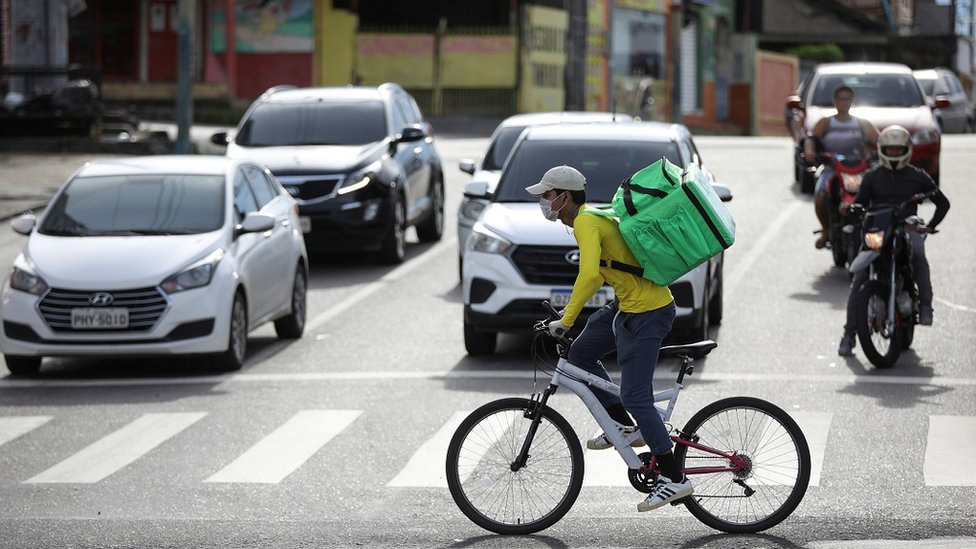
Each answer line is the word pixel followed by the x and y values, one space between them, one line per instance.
pixel 941 83
pixel 884 93
pixel 360 161
pixel 489 167
pixel 515 258
pixel 156 255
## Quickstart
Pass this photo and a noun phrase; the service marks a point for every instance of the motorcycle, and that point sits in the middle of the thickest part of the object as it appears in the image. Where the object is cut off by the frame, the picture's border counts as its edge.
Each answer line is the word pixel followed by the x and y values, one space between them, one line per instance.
pixel 844 238
pixel 887 303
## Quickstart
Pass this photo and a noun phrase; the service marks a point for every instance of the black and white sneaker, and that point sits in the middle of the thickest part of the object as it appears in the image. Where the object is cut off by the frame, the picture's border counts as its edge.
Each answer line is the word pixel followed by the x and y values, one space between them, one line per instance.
pixel 665 491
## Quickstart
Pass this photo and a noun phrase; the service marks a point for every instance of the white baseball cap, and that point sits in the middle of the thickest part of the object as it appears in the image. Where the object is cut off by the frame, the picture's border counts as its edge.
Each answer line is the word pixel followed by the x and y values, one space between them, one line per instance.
pixel 560 177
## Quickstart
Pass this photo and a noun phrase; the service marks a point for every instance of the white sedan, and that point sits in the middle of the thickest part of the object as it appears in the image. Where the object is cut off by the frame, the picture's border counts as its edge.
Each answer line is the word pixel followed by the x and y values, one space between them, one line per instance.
pixel 158 255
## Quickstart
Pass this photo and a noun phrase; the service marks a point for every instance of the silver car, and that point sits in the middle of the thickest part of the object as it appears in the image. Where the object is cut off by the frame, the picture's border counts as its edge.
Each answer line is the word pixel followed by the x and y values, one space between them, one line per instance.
pixel 489 168
pixel 941 85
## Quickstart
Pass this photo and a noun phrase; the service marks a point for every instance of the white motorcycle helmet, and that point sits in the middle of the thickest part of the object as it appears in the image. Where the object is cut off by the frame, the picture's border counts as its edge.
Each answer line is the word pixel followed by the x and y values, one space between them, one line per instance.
pixel 894 147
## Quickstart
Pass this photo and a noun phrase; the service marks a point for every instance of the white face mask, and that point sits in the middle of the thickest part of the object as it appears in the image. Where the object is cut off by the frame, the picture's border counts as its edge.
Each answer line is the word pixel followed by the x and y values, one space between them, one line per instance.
pixel 546 206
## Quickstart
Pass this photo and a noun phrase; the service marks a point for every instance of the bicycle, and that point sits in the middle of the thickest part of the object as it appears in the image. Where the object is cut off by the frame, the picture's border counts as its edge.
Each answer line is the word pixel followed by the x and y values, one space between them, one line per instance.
pixel 515 465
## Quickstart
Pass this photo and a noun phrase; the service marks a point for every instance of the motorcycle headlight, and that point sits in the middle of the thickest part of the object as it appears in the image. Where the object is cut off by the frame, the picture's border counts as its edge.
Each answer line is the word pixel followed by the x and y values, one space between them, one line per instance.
pixel 472 208
pixel 197 275
pixel 852 182
pixel 360 178
pixel 26 281
pixel 482 240
pixel 874 240
pixel 925 137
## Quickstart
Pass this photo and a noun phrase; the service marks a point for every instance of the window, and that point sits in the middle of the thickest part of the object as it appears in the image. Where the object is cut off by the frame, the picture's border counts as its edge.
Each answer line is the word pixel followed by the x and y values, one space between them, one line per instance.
pixel 323 123
pixel 264 191
pixel 604 164
pixel 138 204
pixel 244 201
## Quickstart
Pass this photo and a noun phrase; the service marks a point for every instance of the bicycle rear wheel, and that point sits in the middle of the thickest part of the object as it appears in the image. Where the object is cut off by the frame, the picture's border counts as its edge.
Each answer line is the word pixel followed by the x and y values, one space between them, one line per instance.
pixel 775 479
pixel 526 500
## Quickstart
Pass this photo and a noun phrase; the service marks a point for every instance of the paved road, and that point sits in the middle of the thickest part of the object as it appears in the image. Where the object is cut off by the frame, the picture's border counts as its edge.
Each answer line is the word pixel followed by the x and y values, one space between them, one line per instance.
pixel 337 439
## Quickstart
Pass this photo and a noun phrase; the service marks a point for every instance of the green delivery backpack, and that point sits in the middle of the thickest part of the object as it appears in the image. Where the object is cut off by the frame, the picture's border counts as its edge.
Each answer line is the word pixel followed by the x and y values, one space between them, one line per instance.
pixel 672 221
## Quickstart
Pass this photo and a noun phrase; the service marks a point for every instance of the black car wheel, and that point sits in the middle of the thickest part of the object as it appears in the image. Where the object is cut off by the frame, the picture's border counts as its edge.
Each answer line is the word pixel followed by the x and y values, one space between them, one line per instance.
pixel 433 227
pixel 292 326
pixel 479 343
pixel 23 365
pixel 233 358
pixel 394 245
pixel 715 306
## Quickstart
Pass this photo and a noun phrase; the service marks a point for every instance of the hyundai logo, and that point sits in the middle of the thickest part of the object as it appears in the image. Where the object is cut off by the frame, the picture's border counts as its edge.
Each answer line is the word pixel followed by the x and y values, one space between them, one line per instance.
pixel 572 257
pixel 101 299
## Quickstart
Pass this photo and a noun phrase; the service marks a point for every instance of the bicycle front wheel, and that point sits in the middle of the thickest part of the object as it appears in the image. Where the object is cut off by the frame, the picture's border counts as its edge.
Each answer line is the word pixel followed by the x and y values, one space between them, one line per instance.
pixel 774 479
pixel 506 499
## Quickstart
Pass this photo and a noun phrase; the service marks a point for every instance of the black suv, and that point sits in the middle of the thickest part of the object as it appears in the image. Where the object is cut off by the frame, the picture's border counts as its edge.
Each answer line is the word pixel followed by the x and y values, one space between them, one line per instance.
pixel 360 161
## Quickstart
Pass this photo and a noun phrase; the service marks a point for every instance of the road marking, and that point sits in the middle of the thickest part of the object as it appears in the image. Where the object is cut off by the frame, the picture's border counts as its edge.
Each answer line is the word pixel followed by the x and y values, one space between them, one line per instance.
pixel 15 426
pixel 935 543
pixel 815 427
pixel 289 446
pixel 770 233
pixel 305 377
pixel 951 444
pixel 426 466
pixel 956 306
pixel 374 287
pixel 116 450
pixel 606 468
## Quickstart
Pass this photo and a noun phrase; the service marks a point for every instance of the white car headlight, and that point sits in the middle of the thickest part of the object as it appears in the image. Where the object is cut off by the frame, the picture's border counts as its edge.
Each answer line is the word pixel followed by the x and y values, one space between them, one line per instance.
pixel 26 281
pixel 924 137
pixel 471 208
pixel 360 178
pixel 197 275
pixel 483 240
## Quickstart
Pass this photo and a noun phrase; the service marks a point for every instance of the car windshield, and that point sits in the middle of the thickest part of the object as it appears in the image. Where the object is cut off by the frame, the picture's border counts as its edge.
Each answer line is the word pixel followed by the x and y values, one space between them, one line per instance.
pixel 927 84
pixel 501 146
pixel 870 90
pixel 604 164
pixel 123 205
pixel 325 123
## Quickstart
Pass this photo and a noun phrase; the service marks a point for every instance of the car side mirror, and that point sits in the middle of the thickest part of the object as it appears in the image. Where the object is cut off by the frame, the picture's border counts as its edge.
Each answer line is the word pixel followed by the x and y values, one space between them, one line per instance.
pixel 942 102
pixel 219 138
pixel 466 165
pixel 256 222
pixel 476 189
pixel 412 133
pixel 794 102
pixel 24 224
pixel 724 193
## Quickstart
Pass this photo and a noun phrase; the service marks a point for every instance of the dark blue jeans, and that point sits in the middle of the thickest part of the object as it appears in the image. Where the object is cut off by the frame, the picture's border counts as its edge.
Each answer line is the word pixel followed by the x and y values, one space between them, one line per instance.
pixel 637 338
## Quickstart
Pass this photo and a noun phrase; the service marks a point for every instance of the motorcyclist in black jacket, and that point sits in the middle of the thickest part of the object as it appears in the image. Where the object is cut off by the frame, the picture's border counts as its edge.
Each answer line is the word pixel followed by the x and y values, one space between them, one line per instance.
pixel 891 183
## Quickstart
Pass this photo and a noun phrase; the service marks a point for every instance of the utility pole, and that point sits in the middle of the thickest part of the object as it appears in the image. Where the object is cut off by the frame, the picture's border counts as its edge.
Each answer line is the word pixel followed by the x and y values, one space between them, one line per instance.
pixel 184 75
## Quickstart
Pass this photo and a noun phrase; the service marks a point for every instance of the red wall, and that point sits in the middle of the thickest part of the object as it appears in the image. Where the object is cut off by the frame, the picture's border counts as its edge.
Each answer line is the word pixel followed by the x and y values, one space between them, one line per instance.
pixel 258 72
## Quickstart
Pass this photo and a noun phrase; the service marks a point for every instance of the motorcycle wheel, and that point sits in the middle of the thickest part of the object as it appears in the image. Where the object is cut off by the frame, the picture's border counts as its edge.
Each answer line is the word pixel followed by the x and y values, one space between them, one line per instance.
pixel 880 346
pixel 839 250
pixel 908 334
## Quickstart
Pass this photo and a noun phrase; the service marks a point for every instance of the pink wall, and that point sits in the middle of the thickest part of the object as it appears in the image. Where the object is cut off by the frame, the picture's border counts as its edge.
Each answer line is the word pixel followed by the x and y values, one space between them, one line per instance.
pixel 258 72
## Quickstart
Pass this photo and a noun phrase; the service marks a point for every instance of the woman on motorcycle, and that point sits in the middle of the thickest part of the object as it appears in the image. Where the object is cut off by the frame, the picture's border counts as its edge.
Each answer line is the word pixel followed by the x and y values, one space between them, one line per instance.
pixel 892 183
pixel 840 134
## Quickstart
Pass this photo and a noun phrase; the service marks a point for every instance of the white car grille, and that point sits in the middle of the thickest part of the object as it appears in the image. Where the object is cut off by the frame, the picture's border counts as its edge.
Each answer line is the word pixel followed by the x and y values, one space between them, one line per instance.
pixel 145 306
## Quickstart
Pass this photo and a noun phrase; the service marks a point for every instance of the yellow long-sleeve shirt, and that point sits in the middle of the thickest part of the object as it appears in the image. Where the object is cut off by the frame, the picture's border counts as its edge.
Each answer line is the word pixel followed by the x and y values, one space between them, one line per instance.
pixel 599 238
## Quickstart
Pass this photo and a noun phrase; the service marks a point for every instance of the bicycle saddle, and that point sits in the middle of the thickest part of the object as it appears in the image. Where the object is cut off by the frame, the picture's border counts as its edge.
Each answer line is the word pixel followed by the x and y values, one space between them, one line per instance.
pixel 693 350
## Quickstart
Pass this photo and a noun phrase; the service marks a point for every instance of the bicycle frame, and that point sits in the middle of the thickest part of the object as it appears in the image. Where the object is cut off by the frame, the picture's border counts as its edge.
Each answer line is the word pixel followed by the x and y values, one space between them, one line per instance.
pixel 578 381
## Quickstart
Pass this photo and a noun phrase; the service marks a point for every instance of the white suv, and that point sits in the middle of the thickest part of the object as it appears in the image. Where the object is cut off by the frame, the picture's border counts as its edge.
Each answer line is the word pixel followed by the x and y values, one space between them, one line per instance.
pixel 514 258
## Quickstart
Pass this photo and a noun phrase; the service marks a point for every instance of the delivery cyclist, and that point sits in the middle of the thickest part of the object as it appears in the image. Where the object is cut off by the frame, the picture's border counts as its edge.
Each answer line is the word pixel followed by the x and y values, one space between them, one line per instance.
pixel 635 323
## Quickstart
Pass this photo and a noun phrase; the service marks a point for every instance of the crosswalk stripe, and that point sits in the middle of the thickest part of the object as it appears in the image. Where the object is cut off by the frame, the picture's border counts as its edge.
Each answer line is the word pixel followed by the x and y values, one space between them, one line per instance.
pixel 15 426
pixel 118 449
pixel 951 443
pixel 606 468
pixel 815 427
pixel 286 448
pixel 426 467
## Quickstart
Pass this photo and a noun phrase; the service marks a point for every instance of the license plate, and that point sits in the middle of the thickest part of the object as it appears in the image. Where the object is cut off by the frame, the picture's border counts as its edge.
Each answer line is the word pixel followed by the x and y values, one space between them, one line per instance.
pixel 560 298
pixel 306 223
pixel 99 318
